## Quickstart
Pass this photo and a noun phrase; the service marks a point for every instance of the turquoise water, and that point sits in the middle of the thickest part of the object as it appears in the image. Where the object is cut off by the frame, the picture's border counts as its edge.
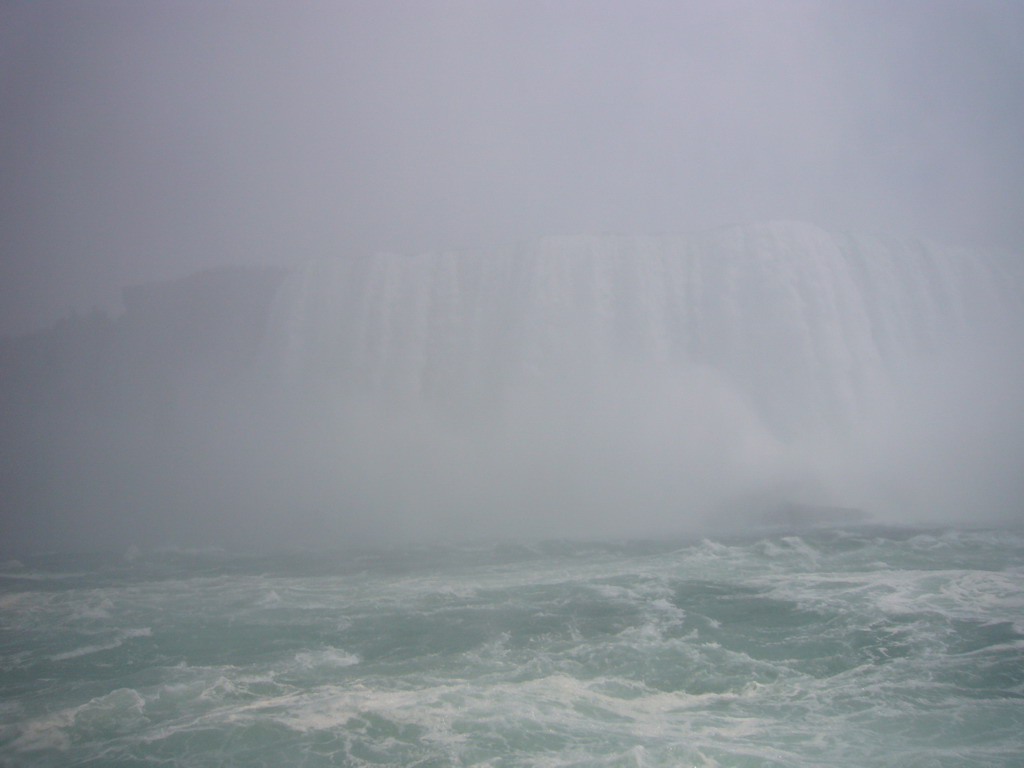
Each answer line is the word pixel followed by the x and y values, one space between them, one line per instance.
pixel 867 647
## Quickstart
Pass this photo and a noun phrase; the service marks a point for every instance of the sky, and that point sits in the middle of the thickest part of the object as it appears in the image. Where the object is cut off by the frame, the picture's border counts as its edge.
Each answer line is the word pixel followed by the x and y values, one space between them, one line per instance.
pixel 144 141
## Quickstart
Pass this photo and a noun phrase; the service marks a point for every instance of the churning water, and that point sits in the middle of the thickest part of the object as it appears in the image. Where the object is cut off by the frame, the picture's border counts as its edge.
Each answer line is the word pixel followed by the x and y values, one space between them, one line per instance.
pixel 865 647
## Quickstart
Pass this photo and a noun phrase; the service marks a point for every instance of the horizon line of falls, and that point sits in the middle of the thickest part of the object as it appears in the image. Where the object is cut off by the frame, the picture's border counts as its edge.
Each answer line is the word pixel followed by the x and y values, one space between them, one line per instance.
pixel 631 385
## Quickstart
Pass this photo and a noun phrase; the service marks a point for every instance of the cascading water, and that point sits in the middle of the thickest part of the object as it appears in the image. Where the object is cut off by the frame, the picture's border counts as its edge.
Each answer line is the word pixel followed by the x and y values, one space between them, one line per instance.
pixel 810 326
pixel 588 385
pixel 745 361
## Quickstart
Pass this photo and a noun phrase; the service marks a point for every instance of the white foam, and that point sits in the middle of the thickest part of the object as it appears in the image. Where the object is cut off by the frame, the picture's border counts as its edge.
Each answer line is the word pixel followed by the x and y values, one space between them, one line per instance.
pixel 48 732
pixel 325 657
pixel 222 688
pixel 271 598
pixel 116 642
pixel 643 688
pixel 118 711
pixel 94 610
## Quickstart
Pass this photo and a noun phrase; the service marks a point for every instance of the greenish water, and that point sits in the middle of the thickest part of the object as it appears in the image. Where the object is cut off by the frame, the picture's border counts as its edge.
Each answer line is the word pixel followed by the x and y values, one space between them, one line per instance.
pixel 868 647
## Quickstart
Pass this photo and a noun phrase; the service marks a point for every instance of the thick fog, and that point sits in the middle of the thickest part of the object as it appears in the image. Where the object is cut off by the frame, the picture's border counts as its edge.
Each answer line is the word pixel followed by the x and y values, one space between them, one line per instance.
pixel 572 386
pixel 147 140
pixel 402 397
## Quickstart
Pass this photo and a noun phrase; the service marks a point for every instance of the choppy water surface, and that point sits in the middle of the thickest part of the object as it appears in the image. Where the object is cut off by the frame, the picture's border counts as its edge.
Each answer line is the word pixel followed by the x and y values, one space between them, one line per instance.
pixel 829 648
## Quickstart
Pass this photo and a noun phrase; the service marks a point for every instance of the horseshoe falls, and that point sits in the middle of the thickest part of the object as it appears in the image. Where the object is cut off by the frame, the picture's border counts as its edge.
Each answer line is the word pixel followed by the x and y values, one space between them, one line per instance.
pixel 689 379
pixel 747 497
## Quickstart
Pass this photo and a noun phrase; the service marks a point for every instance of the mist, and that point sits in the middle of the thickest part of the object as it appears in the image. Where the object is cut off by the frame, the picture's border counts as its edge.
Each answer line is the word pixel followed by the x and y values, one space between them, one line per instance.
pixel 148 141
pixel 401 350
pixel 590 386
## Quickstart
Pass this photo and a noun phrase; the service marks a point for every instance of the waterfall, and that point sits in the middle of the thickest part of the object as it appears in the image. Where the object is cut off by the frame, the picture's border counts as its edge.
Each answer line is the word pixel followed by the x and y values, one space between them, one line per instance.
pixel 811 328
pixel 585 385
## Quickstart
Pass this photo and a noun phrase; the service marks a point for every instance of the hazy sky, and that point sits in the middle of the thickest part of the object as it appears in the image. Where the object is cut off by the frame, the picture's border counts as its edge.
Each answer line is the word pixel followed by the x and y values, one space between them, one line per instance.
pixel 146 140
